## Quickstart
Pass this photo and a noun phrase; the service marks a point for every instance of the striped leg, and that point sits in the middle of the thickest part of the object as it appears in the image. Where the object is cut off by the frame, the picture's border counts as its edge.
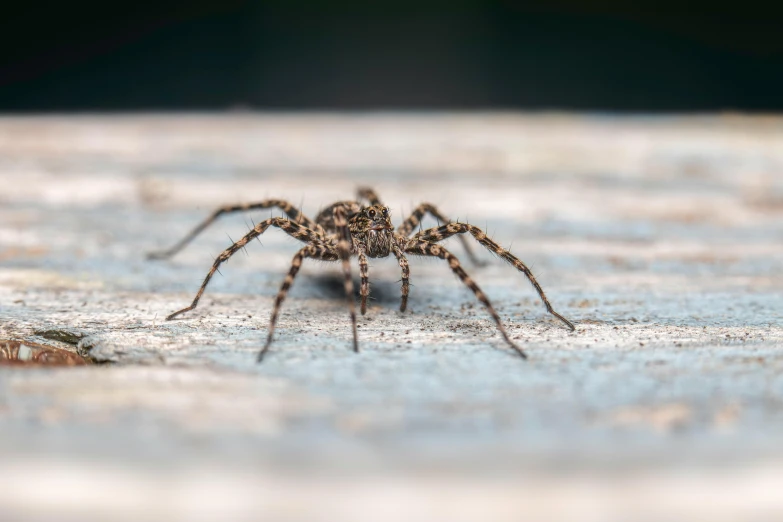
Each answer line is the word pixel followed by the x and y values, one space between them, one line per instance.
pixel 344 252
pixel 422 248
pixel 368 194
pixel 410 224
pixel 319 251
pixel 285 206
pixel 445 231
pixel 403 261
pixel 293 229
pixel 364 290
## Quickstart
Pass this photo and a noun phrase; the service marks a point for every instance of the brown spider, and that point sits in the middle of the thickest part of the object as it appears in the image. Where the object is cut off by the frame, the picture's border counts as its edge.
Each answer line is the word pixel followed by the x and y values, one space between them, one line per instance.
pixel 348 228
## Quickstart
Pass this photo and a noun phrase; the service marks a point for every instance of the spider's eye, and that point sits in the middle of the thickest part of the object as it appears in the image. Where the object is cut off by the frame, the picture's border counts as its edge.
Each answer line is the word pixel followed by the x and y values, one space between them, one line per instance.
pixel 371 213
pixel 385 212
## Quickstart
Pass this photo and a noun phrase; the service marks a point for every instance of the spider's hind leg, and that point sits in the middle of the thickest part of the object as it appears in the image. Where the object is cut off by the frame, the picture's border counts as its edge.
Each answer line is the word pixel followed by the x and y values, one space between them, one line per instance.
pixel 368 194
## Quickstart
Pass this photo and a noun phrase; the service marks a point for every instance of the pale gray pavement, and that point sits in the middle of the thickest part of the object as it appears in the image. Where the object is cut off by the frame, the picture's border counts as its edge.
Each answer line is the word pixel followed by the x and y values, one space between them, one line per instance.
pixel 660 237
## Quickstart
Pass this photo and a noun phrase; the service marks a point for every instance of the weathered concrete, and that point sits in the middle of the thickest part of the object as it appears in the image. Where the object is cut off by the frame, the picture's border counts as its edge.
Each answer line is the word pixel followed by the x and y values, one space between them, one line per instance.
pixel 659 237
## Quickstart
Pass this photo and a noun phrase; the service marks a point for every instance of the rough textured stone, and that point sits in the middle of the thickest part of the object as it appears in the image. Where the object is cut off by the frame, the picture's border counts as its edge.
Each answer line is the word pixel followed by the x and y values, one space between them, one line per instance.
pixel 659 237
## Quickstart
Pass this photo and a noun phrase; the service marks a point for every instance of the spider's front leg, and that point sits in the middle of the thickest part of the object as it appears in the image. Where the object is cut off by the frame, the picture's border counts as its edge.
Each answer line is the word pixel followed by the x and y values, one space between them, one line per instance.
pixel 291 211
pixel 293 229
pixel 364 289
pixel 328 252
pixel 423 248
pixel 403 262
pixel 316 251
pixel 344 244
pixel 410 224
pixel 436 234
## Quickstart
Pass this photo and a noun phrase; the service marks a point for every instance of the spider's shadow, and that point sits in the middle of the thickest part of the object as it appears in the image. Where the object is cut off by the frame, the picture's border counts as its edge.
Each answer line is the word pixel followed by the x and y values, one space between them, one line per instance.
pixel 330 286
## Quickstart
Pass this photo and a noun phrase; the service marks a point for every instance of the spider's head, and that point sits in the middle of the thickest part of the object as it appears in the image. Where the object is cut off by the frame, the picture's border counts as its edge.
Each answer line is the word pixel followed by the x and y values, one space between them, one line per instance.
pixel 378 217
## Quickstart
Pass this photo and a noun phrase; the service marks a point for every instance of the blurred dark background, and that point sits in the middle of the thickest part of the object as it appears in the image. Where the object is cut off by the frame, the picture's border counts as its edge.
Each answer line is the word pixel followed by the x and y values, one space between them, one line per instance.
pixel 562 54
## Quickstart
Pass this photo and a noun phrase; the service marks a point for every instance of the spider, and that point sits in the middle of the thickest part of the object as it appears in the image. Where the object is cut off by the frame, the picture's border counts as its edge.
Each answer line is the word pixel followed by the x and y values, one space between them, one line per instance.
pixel 349 228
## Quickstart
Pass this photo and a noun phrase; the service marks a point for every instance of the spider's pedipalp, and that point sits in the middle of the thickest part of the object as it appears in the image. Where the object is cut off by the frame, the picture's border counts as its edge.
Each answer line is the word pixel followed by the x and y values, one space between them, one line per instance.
pixel 440 233
pixel 423 248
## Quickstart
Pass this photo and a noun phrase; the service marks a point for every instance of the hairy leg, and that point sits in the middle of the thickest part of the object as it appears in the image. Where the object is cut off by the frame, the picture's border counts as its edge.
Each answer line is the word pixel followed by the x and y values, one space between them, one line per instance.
pixel 368 194
pixel 364 290
pixel 344 252
pixel 322 252
pixel 292 212
pixel 403 261
pixel 293 229
pixel 423 248
pixel 410 224
pixel 440 233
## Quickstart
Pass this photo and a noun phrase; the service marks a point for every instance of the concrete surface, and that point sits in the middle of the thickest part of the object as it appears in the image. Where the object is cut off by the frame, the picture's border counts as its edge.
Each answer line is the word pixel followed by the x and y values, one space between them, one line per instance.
pixel 660 237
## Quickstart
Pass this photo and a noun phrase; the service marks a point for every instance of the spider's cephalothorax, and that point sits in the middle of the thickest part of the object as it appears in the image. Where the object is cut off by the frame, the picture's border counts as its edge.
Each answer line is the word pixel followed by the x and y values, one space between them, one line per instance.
pixel 372 230
pixel 347 228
